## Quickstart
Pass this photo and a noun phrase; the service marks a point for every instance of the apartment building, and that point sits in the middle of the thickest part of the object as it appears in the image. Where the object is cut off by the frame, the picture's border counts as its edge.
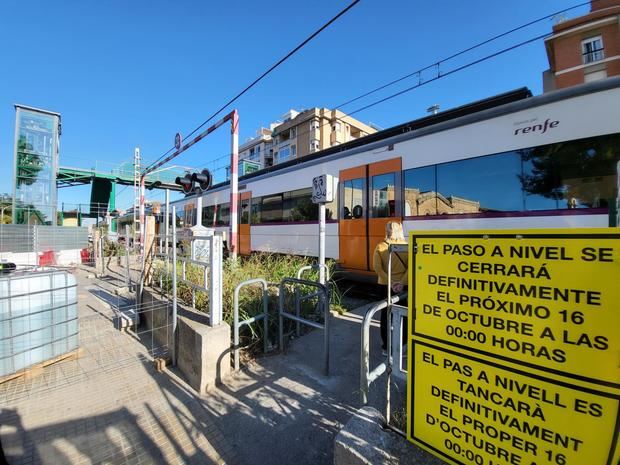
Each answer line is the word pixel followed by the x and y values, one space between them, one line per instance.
pixel 258 149
pixel 586 48
pixel 301 133
pixel 308 131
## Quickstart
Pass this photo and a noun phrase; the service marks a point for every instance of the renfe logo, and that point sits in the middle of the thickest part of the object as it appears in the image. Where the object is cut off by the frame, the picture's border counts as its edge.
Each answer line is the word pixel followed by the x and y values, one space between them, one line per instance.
pixel 542 128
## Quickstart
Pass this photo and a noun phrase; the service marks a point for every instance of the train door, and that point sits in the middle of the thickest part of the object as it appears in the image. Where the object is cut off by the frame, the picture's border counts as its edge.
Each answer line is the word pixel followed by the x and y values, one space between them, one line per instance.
pixel 370 196
pixel 245 243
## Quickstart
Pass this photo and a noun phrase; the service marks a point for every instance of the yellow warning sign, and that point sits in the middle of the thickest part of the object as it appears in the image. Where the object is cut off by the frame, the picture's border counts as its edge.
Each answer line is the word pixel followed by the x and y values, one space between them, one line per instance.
pixel 545 300
pixel 514 353
pixel 474 412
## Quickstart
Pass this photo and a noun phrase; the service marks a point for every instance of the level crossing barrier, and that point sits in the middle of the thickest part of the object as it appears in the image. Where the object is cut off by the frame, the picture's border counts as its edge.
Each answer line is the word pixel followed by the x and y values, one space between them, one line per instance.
pixel 322 292
pixel 263 316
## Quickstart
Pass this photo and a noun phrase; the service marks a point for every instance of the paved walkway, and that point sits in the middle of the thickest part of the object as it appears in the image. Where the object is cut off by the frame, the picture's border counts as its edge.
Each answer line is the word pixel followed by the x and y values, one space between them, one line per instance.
pixel 110 406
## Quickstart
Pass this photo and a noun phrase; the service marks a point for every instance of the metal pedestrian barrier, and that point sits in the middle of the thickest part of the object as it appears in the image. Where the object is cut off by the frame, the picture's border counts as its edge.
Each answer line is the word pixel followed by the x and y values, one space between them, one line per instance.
pixel 300 299
pixel 322 292
pixel 238 324
pixel 316 266
pixel 394 334
pixel 367 377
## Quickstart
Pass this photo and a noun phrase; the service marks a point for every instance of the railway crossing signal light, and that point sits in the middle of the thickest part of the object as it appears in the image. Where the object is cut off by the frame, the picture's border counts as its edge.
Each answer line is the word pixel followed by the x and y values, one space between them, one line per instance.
pixel 198 182
pixel 203 179
pixel 186 183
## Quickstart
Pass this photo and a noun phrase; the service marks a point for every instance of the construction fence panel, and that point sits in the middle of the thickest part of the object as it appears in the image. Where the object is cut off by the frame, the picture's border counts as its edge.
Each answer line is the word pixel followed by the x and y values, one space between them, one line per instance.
pixel 33 245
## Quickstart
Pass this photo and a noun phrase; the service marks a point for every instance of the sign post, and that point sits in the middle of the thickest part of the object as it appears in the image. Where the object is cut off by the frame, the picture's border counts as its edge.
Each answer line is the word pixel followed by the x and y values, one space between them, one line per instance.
pixel 514 353
pixel 322 192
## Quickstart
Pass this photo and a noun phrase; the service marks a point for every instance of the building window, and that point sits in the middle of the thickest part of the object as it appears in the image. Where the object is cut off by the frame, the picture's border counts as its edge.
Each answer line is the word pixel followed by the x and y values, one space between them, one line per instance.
pixel 314 145
pixel 337 127
pixel 293 151
pixel 283 154
pixel 314 124
pixel 383 200
pixel 592 49
pixel 293 132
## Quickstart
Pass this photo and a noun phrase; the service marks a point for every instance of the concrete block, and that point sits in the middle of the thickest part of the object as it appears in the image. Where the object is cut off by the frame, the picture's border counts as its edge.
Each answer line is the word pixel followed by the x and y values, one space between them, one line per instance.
pixel 203 353
pixel 364 441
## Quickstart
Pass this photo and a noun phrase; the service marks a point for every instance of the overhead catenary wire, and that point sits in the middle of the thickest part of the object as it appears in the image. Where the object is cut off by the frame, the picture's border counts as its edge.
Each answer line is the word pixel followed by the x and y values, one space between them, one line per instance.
pixel 438 63
pixel 459 53
pixel 264 74
pixel 428 81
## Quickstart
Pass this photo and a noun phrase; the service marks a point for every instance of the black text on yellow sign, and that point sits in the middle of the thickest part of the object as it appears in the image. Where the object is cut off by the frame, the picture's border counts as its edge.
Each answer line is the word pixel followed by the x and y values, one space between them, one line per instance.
pixel 472 411
pixel 545 300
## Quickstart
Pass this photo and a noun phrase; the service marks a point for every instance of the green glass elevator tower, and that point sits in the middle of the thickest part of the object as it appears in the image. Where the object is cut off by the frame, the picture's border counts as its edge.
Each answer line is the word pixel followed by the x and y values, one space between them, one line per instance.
pixel 37 137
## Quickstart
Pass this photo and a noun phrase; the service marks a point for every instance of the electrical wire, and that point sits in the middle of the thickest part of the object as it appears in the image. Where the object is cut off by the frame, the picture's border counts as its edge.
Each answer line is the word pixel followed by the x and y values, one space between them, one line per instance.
pixel 258 79
pixel 459 53
pixel 441 61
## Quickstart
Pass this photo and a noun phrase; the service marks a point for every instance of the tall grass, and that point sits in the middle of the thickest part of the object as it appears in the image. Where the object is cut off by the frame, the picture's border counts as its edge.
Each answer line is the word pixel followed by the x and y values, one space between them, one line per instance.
pixel 271 267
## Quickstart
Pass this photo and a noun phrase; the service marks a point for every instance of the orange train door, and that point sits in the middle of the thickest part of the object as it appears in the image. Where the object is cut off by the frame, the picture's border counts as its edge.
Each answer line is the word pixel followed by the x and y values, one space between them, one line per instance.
pixel 245 243
pixel 369 198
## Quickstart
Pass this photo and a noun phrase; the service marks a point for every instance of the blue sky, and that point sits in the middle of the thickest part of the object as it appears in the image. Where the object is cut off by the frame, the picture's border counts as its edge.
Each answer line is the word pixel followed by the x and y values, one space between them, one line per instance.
pixel 126 74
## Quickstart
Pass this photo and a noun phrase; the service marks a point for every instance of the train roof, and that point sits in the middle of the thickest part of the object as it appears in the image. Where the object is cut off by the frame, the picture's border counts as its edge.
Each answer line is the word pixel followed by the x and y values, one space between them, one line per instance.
pixel 507 102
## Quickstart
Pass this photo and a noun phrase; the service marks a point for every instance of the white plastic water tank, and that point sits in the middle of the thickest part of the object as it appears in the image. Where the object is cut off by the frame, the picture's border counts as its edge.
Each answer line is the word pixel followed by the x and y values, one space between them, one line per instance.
pixel 38 318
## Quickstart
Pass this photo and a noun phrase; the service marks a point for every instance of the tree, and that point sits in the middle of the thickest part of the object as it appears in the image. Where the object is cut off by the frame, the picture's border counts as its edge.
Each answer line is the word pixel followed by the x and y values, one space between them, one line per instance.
pixel 6 205
pixel 584 171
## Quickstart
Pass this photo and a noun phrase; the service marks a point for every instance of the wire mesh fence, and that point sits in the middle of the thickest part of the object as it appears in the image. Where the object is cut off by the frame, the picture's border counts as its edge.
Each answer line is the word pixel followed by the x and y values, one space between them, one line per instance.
pixel 43 245
pixel 109 326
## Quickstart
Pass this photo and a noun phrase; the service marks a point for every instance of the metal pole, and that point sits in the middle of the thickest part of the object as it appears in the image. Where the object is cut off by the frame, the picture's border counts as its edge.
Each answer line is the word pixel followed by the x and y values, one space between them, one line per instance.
pixel 142 213
pixel 166 225
pixel 322 243
pixel 297 310
pixel 198 213
pixel 174 285
pixel 101 255
pixel 327 314
pixel 234 182
pixel 389 339
pixel 166 232
pixel 127 266
pixel 280 317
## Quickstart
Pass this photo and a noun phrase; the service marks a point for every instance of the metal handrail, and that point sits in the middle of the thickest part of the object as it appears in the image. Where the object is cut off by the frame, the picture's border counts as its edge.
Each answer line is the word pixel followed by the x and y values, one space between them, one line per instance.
pixel 316 266
pixel 323 294
pixel 237 324
pixel 391 249
pixel 367 376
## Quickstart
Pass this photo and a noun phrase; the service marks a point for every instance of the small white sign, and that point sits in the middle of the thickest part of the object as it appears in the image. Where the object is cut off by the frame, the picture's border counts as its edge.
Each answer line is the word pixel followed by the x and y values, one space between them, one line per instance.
pixel 323 189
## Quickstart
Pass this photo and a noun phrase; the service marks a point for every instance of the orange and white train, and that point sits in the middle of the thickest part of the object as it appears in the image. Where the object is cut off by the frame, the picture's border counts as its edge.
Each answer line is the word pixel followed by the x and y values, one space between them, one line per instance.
pixel 509 161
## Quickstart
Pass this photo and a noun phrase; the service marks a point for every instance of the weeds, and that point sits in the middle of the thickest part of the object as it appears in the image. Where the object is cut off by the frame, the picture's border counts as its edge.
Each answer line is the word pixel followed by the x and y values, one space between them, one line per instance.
pixel 271 267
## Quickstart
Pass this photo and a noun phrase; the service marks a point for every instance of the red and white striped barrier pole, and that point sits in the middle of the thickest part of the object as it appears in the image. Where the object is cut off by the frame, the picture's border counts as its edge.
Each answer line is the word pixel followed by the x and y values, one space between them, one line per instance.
pixel 233 117
pixel 234 182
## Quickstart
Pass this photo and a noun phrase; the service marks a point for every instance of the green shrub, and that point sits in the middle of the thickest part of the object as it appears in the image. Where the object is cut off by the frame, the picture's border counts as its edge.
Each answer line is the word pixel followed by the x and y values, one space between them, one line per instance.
pixel 271 267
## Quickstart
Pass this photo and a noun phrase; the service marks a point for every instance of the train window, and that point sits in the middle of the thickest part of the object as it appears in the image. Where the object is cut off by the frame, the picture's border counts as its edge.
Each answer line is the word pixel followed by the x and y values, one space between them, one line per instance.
pixel 271 209
pixel 383 189
pixel 483 184
pixel 190 217
pixel 420 197
pixel 255 209
pixel 222 214
pixel 298 206
pixel 208 216
pixel 353 195
pixel 244 216
pixel 577 174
